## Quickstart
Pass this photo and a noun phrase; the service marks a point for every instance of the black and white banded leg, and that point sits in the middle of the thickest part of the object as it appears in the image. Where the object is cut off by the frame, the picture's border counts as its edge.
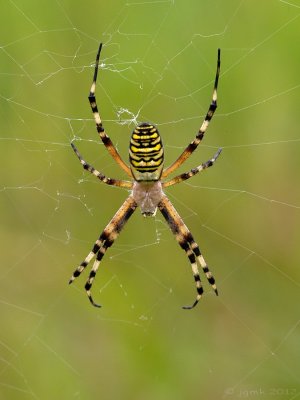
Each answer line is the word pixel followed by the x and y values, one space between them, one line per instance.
pixel 99 175
pixel 195 143
pixel 100 129
pixel 188 244
pixel 105 240
pixel 193 171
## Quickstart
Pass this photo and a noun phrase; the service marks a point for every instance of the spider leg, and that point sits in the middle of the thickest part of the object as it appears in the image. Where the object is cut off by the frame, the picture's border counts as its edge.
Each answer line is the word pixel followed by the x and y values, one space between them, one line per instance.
pixel 103 136
pixel 192 172
pixel 102 250
pixel 99 175
pixel 105 240
pixel 188 244
pixel 194 144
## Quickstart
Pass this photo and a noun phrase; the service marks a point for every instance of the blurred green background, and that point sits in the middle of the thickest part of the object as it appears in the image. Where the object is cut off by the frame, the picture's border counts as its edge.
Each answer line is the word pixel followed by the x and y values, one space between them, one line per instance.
pixel 158 65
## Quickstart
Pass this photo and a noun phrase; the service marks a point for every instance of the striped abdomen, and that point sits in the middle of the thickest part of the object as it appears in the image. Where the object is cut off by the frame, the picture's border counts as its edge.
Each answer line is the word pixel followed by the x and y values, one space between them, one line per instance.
pixel 146 153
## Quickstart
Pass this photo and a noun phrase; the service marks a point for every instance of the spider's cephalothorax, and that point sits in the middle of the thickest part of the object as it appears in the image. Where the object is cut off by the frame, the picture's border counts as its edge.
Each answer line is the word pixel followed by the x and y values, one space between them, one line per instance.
pixel 147 181
pixel 146 153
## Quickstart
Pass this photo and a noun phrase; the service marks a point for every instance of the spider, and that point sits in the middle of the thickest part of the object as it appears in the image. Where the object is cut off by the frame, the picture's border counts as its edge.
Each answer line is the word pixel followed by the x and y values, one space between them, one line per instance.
pixel 146 158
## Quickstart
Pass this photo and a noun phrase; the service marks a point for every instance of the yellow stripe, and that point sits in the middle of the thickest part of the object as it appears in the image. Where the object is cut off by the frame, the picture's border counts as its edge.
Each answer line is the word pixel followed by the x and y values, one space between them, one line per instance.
pixel 142 137
pixel 146 127
pixel 146 164
pixel 157 154
pixel 145 149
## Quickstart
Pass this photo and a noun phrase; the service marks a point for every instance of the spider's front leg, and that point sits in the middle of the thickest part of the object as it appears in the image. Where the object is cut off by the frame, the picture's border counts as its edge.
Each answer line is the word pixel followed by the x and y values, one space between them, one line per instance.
pixel 105 240
pixel 188 244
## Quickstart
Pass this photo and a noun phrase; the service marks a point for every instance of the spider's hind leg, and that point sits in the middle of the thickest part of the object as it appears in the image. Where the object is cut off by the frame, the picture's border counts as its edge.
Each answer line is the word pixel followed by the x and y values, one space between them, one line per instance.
pixel 99 126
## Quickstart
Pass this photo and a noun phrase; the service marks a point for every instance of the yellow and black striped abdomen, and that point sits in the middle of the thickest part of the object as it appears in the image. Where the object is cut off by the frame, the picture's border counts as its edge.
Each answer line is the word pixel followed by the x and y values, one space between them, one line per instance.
pixel 146 153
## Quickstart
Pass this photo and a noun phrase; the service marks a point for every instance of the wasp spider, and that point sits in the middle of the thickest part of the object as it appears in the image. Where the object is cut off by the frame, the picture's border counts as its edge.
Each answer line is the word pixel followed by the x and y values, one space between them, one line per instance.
pixel 146 158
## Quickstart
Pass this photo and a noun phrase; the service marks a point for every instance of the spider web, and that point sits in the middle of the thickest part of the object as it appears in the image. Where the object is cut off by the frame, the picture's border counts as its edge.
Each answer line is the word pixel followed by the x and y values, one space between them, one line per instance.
pixel 158 64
